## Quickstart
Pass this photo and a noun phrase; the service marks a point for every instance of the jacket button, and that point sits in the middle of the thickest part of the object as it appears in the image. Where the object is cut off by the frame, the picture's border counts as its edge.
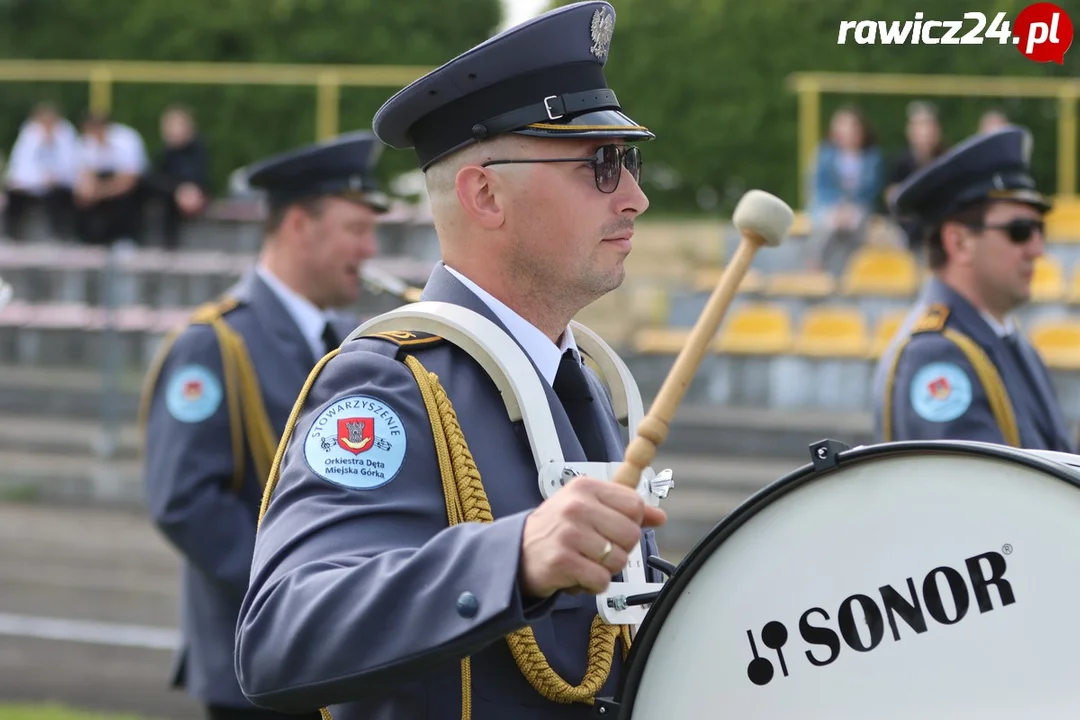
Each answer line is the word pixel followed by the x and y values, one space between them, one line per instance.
pixel 467 604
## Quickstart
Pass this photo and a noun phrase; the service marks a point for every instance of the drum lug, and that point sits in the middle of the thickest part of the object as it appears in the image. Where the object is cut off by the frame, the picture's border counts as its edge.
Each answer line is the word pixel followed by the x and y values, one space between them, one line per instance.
pixel 825 454
pixel 626 603
pixel 606 707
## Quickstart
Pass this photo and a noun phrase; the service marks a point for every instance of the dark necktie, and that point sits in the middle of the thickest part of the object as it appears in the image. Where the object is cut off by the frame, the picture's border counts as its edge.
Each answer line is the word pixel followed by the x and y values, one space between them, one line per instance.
pixel 329 337
pixel 573 390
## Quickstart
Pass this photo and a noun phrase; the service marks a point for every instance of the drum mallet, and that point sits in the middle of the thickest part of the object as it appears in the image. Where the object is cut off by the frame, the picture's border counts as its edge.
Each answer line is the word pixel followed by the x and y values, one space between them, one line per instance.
pixel 762 219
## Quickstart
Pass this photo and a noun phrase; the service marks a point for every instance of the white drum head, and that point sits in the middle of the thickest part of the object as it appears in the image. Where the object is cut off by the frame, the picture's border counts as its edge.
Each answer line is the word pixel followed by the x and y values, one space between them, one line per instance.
pixel 914 580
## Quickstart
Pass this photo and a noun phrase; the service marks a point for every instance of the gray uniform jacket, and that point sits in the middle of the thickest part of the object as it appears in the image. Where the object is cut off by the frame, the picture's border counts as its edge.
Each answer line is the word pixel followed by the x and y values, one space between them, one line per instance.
pixel 362 597
pixel 937 395
pixel 188 475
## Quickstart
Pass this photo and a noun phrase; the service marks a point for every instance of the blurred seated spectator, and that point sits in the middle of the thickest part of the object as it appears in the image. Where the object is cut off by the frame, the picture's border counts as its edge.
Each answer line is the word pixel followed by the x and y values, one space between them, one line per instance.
pixel 41 173
pixel 924 144
pixel 179 180
pixel 846 184
pixel 992 119
pixel 111 161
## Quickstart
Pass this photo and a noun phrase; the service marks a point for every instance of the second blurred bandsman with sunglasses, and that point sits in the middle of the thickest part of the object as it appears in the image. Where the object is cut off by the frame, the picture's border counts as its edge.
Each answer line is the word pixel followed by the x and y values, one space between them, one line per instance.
pixel 959 369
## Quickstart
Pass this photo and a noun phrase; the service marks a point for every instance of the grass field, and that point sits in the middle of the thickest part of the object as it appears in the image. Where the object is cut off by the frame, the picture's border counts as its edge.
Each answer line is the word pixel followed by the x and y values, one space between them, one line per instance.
pixel 56 712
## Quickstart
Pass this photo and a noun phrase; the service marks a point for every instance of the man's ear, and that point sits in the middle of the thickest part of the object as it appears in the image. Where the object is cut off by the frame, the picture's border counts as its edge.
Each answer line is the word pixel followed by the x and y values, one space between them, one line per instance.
pixel 957 242
pixel 482 195
pixel 297 221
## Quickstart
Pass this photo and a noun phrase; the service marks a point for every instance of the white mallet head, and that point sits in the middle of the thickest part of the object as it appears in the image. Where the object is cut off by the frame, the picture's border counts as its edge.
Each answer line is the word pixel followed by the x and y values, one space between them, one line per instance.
pixel 6 292
pixel 763 216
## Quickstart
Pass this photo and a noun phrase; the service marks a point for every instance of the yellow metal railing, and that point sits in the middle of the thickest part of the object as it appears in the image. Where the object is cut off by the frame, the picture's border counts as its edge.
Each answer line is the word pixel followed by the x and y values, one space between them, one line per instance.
pixel 326 80
pixel 810 86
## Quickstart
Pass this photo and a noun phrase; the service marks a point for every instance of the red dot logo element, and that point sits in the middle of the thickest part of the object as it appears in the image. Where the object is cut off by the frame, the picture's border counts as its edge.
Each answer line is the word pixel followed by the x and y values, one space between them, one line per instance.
pixel 1043 33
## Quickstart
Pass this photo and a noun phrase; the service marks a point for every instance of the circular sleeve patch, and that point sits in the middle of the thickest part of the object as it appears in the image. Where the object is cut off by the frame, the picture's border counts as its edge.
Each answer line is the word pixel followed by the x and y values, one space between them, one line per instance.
pixel 358 442
pixel 193 394
pixel 940 392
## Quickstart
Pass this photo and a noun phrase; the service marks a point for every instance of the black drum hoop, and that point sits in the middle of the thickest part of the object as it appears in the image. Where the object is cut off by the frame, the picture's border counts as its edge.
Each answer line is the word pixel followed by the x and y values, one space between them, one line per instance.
pixel 626 689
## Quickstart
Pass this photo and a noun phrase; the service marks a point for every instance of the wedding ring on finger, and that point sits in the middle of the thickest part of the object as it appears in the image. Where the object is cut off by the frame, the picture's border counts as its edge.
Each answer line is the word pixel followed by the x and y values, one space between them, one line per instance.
pixel 607 551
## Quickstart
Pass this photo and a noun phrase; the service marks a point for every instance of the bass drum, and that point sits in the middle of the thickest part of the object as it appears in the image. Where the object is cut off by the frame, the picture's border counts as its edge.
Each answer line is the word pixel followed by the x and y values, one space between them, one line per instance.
pixel 905 580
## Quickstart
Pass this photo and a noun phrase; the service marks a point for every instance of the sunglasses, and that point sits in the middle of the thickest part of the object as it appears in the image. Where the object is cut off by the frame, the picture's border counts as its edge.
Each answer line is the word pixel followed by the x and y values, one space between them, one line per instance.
pixel 607 164
pixel 1019 230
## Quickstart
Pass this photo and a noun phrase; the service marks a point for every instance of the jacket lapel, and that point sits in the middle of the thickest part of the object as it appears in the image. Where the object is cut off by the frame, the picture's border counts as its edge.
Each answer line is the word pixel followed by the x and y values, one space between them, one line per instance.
pixel 276 321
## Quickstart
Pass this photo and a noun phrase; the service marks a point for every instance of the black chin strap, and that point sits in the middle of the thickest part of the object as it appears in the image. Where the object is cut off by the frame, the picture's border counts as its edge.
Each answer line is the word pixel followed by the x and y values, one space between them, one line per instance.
pixel 550 109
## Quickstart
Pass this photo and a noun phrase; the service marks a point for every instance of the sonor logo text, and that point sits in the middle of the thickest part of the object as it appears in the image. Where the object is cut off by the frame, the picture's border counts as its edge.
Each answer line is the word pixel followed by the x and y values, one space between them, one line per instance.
pixel 945 596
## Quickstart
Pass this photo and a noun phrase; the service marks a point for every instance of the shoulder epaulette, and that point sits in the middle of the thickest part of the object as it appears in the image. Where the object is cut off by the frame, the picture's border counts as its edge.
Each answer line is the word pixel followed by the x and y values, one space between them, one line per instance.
pixel 932 320
pixel 214 309
pixel 407 338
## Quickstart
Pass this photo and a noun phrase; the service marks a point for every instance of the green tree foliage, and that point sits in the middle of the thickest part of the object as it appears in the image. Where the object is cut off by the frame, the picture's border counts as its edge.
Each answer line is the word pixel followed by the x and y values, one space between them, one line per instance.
pixel 242 123
pixel 709 77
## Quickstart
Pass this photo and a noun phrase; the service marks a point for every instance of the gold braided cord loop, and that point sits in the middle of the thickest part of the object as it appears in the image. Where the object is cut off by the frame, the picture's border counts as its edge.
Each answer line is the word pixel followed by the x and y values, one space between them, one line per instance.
pixel 466 501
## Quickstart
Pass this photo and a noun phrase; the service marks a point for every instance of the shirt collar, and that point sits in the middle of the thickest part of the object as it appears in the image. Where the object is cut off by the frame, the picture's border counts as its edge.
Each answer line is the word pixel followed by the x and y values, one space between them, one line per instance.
pixel 538 346
pixel 308 318
pixel 1002 330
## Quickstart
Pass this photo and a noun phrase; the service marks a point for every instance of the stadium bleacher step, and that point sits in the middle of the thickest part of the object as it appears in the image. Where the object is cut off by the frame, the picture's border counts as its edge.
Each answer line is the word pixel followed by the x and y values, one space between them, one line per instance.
pixel 55 436
pixel 68 395
pixel 83 479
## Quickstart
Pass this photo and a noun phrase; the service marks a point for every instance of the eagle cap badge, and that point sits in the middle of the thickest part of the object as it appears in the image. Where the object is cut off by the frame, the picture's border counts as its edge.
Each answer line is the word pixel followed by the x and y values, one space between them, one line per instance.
pixel 602 27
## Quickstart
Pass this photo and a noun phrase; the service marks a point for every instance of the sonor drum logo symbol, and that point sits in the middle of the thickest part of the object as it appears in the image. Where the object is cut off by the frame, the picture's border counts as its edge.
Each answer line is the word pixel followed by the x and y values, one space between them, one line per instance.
pixel 862 611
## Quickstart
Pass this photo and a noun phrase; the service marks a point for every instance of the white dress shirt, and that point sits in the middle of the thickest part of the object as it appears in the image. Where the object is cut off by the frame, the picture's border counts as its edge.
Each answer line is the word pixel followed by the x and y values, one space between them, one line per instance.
pixel 538 346
pixel 309 318
pixel 122 152
pixel 35 160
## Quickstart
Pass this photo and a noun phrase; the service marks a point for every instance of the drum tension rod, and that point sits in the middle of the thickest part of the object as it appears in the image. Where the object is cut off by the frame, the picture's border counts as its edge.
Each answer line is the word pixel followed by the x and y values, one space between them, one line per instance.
pixel 658 563
pixel 642 599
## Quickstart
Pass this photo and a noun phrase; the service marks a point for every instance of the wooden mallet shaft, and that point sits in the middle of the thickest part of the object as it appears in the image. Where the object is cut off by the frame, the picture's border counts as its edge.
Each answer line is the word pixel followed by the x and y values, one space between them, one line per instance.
pixel 762 219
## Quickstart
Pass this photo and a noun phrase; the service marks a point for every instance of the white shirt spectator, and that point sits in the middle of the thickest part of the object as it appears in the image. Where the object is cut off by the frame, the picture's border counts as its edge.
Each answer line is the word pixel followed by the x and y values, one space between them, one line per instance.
pixel 123 152
pixel 36 160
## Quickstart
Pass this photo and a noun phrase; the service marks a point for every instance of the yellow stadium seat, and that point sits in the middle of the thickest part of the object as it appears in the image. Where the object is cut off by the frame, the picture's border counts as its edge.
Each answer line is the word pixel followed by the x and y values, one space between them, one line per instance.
pixel 800 284
pixel 1063 221
pixel 887 327
pixel 881 270
pixel 1058 342
pixel 706 279
pixel 755 329
pixel 660 340
pixel 1048 282
pixel 833 331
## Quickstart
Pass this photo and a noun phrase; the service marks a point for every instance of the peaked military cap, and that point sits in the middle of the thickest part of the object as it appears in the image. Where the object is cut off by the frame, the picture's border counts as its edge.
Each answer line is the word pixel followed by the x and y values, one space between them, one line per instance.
pixel 342 166
pixel 544 78
pixel 990 166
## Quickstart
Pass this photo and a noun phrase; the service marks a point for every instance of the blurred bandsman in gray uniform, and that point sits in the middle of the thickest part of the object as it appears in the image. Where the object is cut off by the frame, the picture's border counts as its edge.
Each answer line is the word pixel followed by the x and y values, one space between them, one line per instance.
pixel 219 397
pixel 407 565
pixel 959 368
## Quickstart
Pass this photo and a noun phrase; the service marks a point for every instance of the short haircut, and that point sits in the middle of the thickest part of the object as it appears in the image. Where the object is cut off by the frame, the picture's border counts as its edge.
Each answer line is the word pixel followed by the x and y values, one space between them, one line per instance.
pixel 276 213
